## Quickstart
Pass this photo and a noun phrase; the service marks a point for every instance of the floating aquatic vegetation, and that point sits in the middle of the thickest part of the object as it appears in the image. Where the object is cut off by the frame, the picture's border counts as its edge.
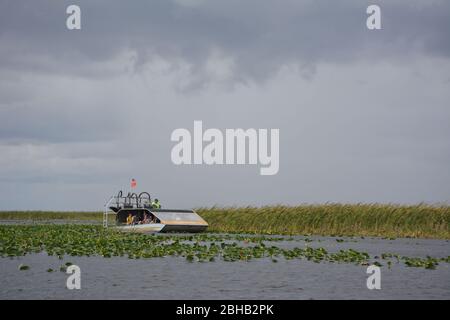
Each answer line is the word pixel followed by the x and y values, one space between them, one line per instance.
pixel 427 263
pixel 87 240
pixel 23 267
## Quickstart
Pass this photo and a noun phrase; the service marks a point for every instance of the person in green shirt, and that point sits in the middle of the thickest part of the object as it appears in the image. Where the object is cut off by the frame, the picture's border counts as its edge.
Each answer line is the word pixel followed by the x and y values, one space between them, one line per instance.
pixel 156 204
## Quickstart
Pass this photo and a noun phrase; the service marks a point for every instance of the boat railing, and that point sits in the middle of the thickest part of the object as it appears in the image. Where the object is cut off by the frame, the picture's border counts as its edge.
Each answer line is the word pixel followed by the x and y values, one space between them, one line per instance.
pixel 130 201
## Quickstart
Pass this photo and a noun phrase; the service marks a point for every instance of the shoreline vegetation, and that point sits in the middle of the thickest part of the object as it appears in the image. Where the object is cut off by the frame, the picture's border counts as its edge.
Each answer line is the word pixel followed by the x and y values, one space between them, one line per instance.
pixel 378 220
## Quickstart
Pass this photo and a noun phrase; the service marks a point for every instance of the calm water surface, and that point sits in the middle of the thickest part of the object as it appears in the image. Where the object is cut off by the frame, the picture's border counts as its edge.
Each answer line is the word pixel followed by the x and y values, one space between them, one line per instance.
pixel 175 278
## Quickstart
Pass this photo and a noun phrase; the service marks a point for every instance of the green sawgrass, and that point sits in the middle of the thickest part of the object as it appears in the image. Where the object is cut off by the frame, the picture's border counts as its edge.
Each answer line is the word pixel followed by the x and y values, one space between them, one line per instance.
pixel 382 220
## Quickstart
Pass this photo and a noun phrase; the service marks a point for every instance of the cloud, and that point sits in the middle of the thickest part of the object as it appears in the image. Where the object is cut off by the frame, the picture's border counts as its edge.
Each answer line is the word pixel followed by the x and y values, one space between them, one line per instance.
pixel 362 114
pixel 259 36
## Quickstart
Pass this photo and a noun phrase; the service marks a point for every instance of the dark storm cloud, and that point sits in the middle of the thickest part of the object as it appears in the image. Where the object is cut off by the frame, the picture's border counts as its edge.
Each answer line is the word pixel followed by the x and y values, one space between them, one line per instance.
pixel 260 35
pixel 362 114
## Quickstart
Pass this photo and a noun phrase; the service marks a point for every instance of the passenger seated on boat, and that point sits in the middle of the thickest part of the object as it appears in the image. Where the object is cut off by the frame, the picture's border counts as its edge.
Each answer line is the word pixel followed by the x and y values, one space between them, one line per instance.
pixel 130 219
pixel 146 219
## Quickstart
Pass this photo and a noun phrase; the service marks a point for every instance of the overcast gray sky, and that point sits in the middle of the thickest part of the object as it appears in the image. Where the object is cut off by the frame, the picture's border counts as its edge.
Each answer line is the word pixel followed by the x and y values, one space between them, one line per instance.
pixel 364 116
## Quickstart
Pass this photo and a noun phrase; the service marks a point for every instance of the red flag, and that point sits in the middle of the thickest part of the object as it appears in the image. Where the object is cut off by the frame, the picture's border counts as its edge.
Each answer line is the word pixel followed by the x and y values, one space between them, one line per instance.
pixel 133 183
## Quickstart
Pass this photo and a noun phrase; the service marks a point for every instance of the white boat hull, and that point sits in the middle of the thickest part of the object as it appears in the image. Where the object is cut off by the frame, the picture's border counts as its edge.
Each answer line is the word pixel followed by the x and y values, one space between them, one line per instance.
pixel 142 228
pixel 168 221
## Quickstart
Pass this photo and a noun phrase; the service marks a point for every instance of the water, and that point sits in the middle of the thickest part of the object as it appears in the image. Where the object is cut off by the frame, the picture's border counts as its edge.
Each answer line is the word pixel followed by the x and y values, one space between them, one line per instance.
pixel 175 278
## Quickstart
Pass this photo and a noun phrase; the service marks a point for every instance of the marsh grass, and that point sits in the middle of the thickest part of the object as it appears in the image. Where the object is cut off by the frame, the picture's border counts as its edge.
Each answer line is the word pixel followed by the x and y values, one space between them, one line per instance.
pixel 418 221
pixel 51 215
pixel 381 220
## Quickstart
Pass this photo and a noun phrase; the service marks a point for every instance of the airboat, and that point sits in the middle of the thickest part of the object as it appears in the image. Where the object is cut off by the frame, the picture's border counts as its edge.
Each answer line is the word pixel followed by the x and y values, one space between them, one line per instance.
pixel 135 213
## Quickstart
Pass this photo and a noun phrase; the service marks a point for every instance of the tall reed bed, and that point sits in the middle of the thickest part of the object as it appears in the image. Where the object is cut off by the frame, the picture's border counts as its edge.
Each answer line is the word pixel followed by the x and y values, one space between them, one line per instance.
pixel 384 220
pixel 424 221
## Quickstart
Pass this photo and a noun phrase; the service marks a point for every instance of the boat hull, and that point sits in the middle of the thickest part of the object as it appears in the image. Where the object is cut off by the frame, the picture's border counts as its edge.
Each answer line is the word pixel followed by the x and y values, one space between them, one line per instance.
pixel 168 220
pixel 142 228
pixel 184 228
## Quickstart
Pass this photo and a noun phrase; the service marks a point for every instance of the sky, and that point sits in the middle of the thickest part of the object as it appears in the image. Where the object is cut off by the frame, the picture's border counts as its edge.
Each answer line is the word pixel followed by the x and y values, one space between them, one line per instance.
pixel 363 115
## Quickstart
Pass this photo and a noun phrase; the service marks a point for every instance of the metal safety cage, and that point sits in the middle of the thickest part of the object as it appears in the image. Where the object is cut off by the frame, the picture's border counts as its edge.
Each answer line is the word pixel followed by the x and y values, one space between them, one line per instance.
pixel 130 201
